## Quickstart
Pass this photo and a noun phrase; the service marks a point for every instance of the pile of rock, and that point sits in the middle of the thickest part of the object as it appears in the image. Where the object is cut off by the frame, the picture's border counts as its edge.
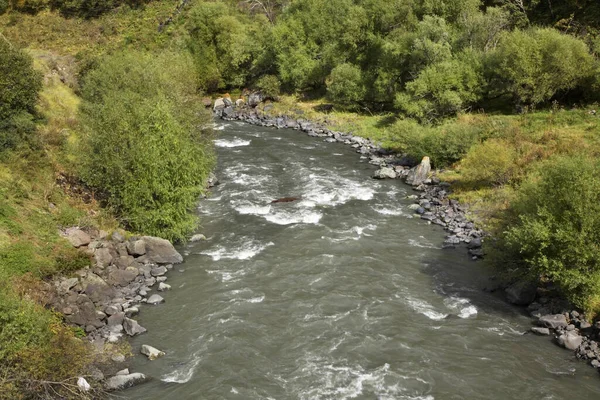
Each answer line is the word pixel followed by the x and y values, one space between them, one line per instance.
pixel 103 298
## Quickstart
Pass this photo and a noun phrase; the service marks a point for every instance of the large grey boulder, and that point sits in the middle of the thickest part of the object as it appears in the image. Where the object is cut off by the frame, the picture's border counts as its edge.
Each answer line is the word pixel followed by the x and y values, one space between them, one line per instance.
pixel 418 174
pixel 103 257
pixel 155 299
pixel 570 340
pixel 132 328
pixel 122 277
pixel 553 321
pixel 96 288
pixel 136 248
pixel 119 382
pixel 219 104
pixel 385 173
pixel 160 251
pixel 540 331
pixel 84 313
pixel 77 237
pixel 521 293
pixel 255 99
pixel 151 352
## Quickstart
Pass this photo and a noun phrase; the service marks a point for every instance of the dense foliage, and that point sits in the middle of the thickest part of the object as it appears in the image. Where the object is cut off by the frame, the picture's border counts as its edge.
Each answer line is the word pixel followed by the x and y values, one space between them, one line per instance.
pixel 19 88
pixel 554 232
pixel 146 144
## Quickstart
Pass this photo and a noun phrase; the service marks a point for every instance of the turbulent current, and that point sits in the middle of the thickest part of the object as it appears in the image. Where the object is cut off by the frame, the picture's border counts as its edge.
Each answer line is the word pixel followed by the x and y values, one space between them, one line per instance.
pixel 341 294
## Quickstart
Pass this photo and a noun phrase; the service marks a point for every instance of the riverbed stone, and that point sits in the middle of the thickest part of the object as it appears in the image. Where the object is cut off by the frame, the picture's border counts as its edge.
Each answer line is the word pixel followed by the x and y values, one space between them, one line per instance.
pixel 160 251
pixel 132 327
pixel 570 340
pixel 197 237
pixel 163 287
pixel 219 104
pixel 103 257
pixel 158 271
pixel 540 331
pixel 385 173
pixel 417 175
pixel 521 293
pixel 96 288
pixel 151 352
pixel 120 382
pixel 155 299
pixel 120 277
pixel 77 237
pixel 136 248
pixel 116 319
pixel 553 321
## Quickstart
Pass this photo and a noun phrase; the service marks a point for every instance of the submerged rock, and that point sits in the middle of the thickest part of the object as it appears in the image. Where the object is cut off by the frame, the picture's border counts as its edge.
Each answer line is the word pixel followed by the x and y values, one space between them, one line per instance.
pixel 570 340
pixel 151 352
pixel 119 382
pixel 155 299
pixel 540 331
pixel 385 173
pixel 521 293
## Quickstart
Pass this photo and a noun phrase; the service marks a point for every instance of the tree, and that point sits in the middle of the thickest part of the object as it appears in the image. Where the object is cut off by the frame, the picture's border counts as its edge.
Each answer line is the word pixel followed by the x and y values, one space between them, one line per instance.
pixel 345 85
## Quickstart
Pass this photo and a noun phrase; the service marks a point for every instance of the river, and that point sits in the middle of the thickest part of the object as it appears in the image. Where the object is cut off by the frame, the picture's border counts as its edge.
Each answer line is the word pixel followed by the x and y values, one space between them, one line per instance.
pixel 339 295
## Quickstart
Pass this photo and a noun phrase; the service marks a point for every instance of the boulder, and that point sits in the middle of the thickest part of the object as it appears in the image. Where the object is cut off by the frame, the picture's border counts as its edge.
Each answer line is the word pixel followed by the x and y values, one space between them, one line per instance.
pixel 84 313
pixel 163 287
pixel 119 382
pixel 417 175
pixel 521 293
pixel 96 288
pixel 83 385
pixel 77 237
pixel 120 277
pixel 570 340
pixel 198 237
pixel 116 319
pixel 540 331
pixel 103 257
pixel 240 103
pixel 228 112
pixel 155 299
pixel 159 271
pixel 219 104
pixel 136 248
pixel 553 321
pixel 227 101
pixel 151 352
pixel 255 99
pixel 206 102
pixel 161 251
pixel 132 328
pixel 385 173
pixel 67 284
pixel 117 237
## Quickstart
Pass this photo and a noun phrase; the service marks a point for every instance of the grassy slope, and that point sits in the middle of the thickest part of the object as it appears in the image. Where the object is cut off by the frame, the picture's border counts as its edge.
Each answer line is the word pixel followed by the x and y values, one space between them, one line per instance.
pixel 38 195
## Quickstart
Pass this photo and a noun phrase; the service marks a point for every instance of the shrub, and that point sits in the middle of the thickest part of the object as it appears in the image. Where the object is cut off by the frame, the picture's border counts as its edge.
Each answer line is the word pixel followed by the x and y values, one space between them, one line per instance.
pixel 535 65
pixel 444 89
pixel 344 85
pixel 29 6
pixel 555 228
pixel 19 82
pixel 270 86
pixel 492 161
pixel 445 144
pixel 147 148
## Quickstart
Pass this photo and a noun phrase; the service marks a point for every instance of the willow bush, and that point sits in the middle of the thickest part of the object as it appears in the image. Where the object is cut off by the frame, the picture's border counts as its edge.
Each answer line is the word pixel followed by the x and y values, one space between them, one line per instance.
pixel 147 142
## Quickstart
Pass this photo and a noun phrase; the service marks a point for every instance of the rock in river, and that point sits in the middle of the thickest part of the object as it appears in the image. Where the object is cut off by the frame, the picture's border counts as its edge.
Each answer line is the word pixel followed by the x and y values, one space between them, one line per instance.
pixel 160 251
pixel 385 173
pixel 155 299
pixel 132 327
pixel 553 321
pixel 151 352
pixel 118 382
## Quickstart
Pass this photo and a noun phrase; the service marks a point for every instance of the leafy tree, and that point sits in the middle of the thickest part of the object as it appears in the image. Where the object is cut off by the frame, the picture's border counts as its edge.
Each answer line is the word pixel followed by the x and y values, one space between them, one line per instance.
pixel 345 85
pixel 270 86
pixel 147 147
pixel 444 89
pixel 535 65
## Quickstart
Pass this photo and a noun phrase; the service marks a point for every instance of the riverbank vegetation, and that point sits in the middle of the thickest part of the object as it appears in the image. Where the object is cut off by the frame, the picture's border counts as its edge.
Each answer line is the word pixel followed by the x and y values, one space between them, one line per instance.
pixel 100 124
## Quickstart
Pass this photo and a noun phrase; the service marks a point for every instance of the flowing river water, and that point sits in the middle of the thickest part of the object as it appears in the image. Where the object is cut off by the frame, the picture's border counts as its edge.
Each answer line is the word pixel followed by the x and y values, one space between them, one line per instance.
pixel 340 295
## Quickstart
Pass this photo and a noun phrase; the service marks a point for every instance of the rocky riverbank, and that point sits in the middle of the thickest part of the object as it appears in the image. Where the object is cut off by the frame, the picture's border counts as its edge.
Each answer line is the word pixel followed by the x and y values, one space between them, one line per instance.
pixel 551 316
pixel 103 299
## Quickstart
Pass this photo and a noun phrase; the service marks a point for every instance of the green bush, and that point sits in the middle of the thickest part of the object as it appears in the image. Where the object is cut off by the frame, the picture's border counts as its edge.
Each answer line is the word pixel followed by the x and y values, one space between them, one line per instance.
pixel 535 65
pixel 345 85
pixel 89 8
pixel 19 82
pixel 555 229
pixel 444 144
pixel 29 6
pixel 444 89
pixel 270 86
pixel 146 143
pixel 492 162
